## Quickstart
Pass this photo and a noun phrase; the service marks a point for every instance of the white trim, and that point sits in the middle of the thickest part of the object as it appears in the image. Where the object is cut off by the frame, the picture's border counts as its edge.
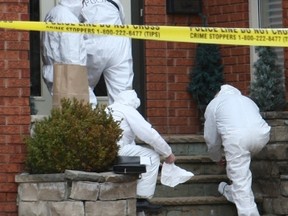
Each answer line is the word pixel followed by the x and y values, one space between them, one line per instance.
pixel 253 23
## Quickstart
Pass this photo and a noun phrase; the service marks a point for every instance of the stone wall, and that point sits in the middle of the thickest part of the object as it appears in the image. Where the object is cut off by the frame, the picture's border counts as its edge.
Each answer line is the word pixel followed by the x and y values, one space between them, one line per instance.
pixel 270 167
pixel 75 193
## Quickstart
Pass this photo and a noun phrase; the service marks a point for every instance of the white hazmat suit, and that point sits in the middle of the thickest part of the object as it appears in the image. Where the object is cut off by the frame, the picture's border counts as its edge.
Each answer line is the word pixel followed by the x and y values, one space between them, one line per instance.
pixel 62 47
pixel 133 124
pixel 233 121
pixel 110 55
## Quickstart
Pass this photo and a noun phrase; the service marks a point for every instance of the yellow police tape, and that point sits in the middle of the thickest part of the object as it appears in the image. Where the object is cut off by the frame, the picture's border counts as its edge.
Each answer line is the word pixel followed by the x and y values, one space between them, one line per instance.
pixel 227 36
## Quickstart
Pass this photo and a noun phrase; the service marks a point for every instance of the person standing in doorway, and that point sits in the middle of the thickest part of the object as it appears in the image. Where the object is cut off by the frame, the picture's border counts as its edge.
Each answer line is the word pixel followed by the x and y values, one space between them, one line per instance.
pixel 235 129
pixel 108 55
pixel 63 47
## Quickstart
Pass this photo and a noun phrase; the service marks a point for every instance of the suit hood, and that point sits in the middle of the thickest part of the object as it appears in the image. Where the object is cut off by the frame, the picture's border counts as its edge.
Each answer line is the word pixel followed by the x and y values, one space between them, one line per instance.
pixel 228 89
pixel 75 6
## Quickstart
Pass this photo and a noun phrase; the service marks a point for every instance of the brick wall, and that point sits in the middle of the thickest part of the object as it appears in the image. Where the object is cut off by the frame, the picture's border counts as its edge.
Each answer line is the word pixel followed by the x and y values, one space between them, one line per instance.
pixel 236 59
pixel 14 102
pixel 170 107
pixel 285 24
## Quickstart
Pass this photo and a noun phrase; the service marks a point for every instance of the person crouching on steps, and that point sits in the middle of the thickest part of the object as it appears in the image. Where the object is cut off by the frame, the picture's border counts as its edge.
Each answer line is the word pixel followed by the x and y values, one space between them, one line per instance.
pixel 133 124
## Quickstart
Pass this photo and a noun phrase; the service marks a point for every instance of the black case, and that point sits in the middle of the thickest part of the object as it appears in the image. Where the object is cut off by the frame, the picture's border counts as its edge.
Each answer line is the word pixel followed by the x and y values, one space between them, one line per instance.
pixel 128 165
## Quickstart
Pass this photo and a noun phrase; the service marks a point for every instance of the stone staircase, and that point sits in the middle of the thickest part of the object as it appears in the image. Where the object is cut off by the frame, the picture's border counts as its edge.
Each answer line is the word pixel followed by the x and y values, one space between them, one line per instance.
pixel 198 196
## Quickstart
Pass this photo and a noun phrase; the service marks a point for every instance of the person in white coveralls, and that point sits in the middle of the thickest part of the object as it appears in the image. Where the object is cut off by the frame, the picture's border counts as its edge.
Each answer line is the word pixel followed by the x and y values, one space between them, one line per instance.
pixel 110 55
pixel 133 124
pixel 62 47
pixel 235 129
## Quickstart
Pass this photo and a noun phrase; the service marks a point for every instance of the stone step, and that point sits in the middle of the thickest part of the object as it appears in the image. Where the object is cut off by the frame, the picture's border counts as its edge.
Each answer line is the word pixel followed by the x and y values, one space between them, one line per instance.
pixel 200 206
pixel 203 185
pixel 183 149
pixel 185 144
pixel 199 165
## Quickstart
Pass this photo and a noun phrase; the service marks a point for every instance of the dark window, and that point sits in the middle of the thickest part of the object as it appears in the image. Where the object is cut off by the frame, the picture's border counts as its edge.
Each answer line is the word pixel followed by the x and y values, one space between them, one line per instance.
pixel 100 89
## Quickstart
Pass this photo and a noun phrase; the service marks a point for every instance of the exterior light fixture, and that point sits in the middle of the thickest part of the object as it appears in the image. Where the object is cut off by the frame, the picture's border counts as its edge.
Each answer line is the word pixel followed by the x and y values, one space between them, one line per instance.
pixel 184 6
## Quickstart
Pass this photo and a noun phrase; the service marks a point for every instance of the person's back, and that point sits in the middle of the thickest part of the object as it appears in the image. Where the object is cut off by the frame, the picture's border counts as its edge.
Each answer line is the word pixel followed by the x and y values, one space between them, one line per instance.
pixel 234 126
pixel 236 112
pixel 108 54
pixel 104 12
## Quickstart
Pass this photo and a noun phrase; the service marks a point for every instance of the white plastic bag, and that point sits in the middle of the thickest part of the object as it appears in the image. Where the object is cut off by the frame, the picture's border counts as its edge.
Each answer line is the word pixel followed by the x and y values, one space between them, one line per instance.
pixel 172 175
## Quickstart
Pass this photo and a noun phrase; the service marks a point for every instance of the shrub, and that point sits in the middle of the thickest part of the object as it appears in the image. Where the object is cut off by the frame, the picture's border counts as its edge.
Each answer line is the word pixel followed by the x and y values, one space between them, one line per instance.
pixel 268 87
pixel 207 75
pixel 75 137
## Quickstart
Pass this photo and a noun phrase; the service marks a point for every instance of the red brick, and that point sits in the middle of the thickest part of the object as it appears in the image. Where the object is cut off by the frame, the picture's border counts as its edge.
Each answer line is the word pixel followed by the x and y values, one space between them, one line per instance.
pixel 14 139
pixel 17 8
pixel 156 87
pixel 160 95
pixel 10 168
pixel 16 83
pixel 18 120
pixel 2 120
pixel 178 70
pixel 10 35
pixel 7 207
pixel 158 78
pixel 182 96
pixel 13 45
pixel 9 73
pixel 156 53
pixel 178 121
pixel 154 3
pixel 25 92
pixel 11 129
pixel 156 69
pixel 8 16
pixel 177 87
pixel 11 197
pixel 24 55
pixel 9 92
pixel 12 55
pixel 14 158
pixel 156 61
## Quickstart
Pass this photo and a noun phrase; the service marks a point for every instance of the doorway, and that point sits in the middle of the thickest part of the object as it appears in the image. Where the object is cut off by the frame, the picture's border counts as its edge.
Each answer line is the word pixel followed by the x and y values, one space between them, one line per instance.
pixel 41 100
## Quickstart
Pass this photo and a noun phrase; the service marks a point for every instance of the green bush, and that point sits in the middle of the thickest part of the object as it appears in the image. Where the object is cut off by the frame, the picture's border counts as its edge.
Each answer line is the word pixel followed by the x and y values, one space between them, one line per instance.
pixel 268 87
pixel 74 137
pixel 206 77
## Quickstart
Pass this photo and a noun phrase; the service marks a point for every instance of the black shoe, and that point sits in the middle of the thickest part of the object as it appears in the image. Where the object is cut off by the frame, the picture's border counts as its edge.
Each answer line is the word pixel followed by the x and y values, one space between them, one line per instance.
pixel 146 206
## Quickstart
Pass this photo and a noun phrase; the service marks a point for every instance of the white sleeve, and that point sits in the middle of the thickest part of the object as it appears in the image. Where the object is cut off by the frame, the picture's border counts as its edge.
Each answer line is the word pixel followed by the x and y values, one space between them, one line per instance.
pixel 144 131
pixel 211 135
